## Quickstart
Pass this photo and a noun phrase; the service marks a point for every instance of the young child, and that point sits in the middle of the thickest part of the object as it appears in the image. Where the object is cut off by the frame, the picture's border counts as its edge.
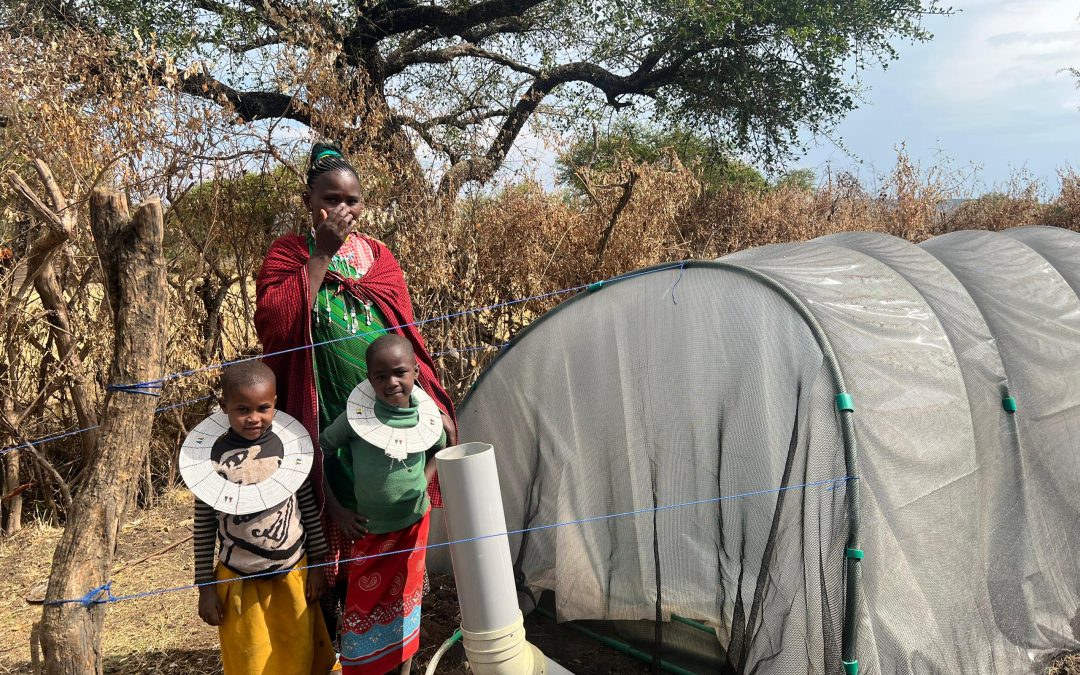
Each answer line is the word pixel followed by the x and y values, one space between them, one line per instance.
pixel 380 626
pixel 265 624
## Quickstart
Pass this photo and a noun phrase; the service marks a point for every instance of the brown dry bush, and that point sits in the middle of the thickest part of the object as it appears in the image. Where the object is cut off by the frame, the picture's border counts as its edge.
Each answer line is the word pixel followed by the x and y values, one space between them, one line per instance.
pixel 486 251
pixel 522 242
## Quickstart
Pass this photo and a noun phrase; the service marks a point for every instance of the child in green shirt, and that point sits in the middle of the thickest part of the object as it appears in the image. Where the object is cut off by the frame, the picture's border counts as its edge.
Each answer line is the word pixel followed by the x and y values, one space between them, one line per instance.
pixel 392 430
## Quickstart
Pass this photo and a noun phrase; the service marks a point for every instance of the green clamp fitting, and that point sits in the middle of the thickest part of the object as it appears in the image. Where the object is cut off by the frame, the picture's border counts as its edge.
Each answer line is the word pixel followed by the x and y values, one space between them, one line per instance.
pixel 851 667
pixel 1009 403
pixel 854 553
pixel 594 286
pixel 844 402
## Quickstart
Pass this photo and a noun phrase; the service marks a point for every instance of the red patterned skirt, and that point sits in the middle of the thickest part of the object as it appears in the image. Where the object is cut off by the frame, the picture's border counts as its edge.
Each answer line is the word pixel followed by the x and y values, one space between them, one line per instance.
pixel 380 628
pixel 340 546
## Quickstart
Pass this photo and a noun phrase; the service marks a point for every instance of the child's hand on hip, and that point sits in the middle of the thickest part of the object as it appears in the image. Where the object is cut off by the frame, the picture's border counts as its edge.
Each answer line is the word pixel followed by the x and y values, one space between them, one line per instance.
pixel 352 524
pixel 209 606
pixel 316 584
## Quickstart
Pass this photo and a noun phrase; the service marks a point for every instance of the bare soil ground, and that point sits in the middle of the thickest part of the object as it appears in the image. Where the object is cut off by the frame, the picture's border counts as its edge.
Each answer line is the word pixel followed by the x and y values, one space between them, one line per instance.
pixel 164 635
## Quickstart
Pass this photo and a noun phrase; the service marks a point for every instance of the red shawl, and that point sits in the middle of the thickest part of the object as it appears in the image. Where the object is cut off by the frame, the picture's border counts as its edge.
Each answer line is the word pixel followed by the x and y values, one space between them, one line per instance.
pixel 283 322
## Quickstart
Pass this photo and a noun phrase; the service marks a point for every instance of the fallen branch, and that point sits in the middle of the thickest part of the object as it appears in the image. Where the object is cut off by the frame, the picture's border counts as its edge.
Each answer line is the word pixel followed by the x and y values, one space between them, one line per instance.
pixel 150 556
pixel 17 491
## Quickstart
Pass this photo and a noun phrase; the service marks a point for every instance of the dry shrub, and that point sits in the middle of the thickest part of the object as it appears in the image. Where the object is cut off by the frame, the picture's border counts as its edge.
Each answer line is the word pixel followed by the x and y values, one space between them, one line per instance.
pixel 1064 210
pixel 494 250
pixel 1016 204
pixel 471 262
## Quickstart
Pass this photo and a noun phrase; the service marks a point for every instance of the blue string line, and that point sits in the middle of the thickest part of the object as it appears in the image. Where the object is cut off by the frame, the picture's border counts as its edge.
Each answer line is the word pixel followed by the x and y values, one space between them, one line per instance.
pixel 92 596
pixel 136 388
pixel 181 404
pixel 49 439
pixel 444 317
pixel 463 350
pixel 833 482
pixel 133 388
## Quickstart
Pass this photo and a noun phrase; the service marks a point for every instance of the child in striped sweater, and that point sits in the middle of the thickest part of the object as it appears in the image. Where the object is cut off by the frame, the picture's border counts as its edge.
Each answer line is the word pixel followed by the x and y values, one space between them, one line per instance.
pixel 270 623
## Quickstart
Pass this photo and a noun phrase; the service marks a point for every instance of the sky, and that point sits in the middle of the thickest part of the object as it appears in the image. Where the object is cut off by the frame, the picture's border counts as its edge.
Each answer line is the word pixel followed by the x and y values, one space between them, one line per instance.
pixel 986 97
pixel 986 93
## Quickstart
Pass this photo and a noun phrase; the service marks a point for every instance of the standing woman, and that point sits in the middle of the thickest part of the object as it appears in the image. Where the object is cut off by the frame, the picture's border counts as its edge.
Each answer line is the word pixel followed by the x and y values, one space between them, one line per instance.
pixel 337 289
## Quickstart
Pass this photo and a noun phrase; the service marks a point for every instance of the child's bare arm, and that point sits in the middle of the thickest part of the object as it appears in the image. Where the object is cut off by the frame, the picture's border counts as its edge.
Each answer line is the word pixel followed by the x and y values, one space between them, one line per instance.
pixel 316 584
pixel 210 606
pixel 339 434
pixel 352 524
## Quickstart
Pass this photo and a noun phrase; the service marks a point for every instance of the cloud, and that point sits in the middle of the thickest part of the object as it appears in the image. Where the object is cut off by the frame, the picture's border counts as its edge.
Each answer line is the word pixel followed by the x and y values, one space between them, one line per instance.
pixel 1068 39
pixel 989 89
pixel 998 48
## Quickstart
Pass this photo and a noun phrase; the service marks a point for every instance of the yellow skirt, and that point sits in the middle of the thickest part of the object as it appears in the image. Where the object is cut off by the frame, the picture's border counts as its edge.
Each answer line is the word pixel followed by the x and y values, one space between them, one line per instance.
pixel 269 629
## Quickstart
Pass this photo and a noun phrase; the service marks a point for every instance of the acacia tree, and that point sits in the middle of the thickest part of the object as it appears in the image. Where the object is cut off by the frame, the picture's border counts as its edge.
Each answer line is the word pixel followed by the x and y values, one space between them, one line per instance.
pixel 459 80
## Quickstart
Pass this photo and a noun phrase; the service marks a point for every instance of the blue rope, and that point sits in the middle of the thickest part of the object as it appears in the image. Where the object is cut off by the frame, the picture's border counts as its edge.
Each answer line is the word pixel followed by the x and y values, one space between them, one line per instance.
pixel 160 382
pixel 414 324
pixel 92 596
pixel 137 388
pixel 464 350
pixel 833 482
pixel 49 439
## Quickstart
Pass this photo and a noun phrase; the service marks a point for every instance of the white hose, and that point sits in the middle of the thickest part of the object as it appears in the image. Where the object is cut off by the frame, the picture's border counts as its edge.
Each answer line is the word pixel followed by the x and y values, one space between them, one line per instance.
pixel 434 663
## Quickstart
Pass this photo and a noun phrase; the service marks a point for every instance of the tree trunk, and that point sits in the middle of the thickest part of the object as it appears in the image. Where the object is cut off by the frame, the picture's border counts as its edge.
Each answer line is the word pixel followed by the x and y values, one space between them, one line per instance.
pixel 11 482
pixel 212 299
pixel 134 274
pixel 52 299
pixel 382 135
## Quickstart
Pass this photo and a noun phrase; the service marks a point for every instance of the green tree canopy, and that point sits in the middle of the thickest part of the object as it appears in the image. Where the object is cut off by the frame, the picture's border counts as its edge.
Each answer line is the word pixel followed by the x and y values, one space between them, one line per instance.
pixel 713 164
pixel 463 78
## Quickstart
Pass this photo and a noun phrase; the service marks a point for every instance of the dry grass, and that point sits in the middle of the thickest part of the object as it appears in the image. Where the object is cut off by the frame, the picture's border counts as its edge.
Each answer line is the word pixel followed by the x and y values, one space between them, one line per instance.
pixel 1069 664
pixel 490 249
pixel 151 635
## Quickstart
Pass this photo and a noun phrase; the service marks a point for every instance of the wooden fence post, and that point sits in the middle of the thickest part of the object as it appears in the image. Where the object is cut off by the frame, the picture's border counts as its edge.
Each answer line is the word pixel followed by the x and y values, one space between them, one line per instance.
pixel 134 274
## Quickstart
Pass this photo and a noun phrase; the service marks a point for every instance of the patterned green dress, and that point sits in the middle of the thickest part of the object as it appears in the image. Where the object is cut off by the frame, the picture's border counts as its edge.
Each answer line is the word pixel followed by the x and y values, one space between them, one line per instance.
pixel 349 326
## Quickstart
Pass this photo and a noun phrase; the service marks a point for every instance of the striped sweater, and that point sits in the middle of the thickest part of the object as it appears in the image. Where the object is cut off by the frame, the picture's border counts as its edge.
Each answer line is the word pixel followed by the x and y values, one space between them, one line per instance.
pixel 268 541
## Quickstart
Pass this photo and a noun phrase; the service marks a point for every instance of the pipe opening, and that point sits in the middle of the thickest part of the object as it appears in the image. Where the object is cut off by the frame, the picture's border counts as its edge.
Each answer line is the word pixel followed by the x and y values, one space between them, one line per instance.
pixel 463 451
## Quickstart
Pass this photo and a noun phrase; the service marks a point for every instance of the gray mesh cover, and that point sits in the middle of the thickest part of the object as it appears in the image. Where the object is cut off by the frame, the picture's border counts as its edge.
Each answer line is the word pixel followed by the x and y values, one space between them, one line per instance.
pixel 695 384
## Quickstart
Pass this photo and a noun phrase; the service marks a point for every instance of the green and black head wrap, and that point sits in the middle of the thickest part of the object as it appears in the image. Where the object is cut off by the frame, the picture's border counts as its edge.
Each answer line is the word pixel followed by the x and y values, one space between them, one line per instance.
pixel 326 158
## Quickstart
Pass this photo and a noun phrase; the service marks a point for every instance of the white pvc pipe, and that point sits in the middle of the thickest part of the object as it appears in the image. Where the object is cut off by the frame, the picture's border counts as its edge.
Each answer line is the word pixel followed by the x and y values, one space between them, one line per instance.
pixel 491 623
pixel 483 568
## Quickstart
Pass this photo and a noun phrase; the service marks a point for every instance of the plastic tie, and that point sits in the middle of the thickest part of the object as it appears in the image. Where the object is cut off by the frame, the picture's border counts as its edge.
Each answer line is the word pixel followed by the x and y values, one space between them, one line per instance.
pixel 1009 404
pixel 844 402
pixel 594 286
pixel 138 388
pixel 851 667
pixel 854 553
pixel 682 268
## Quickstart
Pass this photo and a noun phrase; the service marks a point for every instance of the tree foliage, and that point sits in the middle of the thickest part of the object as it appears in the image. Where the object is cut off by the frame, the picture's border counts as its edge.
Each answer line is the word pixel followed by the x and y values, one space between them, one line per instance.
pixel 711 163
pixel 462 79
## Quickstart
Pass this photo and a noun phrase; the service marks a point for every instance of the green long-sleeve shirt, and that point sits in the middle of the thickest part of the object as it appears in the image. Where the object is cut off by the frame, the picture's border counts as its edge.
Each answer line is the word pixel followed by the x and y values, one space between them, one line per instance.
pixel 391 493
